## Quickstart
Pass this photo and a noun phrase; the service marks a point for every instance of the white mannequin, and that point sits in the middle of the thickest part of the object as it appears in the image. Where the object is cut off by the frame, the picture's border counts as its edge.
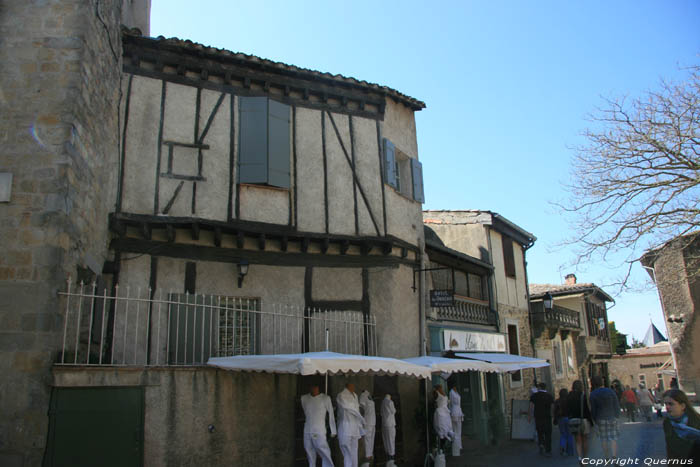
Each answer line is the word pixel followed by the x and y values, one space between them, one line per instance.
pixel 389 426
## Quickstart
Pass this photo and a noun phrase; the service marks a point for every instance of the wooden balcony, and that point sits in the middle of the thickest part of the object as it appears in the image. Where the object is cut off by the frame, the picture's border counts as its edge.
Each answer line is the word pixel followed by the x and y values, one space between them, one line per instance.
pixel 555 320
pixel 592 346
pixel 466 311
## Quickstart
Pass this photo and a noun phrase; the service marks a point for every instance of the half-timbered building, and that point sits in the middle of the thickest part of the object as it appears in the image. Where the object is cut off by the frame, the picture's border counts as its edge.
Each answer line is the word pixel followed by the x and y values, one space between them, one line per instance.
pixel 259 208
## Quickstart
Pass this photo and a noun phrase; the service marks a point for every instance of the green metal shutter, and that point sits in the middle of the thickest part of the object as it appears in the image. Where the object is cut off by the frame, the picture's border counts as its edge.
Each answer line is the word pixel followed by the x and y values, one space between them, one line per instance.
pixel 417 174
pixel 252 152
pixel 390 163
pixel 278 144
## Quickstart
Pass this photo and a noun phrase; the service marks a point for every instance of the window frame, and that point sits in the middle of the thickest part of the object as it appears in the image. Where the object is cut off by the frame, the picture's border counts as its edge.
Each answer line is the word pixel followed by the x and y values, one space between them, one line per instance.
pixel 516 377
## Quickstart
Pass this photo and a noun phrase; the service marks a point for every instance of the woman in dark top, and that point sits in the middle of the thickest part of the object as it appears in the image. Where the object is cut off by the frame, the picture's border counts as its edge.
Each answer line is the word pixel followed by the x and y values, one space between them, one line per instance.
pixel 681 427
pixel 575 410
pixel 561 418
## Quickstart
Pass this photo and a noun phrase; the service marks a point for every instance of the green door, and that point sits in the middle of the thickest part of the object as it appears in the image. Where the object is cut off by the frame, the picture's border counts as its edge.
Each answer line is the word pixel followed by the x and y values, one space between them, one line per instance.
pixel 95 426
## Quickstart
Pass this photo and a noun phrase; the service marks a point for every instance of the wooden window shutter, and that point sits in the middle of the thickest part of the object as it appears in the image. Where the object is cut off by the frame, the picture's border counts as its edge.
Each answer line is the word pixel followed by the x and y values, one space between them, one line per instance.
pixel 390 163
pixel 508 257
pixel 417 174
pixel 278 144
pixel 252 152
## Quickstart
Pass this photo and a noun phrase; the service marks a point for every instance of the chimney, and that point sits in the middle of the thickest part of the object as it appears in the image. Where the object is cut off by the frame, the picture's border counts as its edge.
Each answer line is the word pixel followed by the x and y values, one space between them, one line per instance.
pixel 570 279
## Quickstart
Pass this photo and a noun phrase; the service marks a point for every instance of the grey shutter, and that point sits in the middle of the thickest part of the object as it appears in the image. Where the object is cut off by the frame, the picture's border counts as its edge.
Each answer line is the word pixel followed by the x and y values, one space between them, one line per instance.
pixel 278 144
pixel 417 174
pixel 390 163
pixel 252 152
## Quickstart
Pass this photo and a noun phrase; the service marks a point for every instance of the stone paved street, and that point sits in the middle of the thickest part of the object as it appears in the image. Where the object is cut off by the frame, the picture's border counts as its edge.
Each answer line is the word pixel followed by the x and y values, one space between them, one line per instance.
pixel 640 440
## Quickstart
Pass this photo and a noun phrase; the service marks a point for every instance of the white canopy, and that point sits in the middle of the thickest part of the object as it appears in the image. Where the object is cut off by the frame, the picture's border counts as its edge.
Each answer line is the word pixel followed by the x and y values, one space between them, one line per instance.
pixel 311 363
pixel 452 365
pixel 506 362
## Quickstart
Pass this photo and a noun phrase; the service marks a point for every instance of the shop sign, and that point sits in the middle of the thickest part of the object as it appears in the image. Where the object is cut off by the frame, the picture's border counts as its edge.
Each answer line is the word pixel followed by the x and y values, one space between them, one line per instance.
pixel 441 298
pixel 471 341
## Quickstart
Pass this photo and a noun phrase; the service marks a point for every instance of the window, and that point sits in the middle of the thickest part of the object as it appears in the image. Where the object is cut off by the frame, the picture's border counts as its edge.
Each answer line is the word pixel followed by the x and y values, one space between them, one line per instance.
pixel 514 349
pixel 558 367
pixel 204 326
pixel 403 173
pixel 642 379
pixel 476 286
pixel 570 357
pixel 508 257
pixel 264 142
pixel 660 381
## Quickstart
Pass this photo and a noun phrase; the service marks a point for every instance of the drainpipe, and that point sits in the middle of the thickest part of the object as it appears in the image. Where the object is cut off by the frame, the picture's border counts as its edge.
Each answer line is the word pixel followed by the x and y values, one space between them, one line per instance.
pixel 529 308
pixel 421 295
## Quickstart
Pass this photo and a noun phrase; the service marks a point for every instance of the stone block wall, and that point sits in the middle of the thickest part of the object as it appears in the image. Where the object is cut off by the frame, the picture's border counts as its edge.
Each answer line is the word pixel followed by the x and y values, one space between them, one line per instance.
pixel 59 86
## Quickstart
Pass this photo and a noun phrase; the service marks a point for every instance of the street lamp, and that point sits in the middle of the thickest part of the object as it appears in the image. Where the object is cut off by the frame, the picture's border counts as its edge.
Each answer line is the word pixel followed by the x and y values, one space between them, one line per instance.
pixel 242 271
pixel 548 301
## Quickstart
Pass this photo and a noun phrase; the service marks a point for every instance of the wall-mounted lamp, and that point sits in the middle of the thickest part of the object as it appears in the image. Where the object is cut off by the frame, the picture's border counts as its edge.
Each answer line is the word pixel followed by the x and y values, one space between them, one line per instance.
pixel 548 301
pixel 242 271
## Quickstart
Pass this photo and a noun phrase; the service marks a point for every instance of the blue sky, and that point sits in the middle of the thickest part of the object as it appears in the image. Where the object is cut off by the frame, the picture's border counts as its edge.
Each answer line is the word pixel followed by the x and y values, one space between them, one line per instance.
pixel 507 85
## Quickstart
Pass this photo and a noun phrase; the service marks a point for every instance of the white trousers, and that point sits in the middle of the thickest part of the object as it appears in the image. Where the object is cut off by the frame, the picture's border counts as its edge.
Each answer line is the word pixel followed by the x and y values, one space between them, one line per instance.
pixel 388 436
pixel 457 428
pixel 317 444
pixel 369 441
pixel 348 446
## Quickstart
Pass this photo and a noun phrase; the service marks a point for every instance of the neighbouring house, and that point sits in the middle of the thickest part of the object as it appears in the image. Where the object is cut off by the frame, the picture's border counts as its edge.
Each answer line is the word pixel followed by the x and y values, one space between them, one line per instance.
pixel 480 256
pixel 572 333
pixel 675 268
pixel 650 365
pixel 199 203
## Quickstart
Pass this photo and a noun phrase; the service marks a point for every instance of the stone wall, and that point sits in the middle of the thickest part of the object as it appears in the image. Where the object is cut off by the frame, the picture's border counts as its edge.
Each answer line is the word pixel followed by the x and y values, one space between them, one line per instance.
pixel 59 86
pixel 627 369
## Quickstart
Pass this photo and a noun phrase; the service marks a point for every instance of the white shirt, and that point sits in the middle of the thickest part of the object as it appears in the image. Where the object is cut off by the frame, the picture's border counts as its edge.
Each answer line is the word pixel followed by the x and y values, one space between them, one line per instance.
pixel 350 419
pixel 367 405
pixel 315 408
pixel 455 404
pixel 388 410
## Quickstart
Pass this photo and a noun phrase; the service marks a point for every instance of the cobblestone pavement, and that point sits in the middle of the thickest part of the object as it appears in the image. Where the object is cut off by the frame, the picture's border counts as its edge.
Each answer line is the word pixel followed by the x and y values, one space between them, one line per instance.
pixel 638 442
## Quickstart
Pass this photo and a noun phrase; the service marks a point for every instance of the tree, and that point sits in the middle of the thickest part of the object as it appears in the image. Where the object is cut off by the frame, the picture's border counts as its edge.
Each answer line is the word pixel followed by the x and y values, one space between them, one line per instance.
pixel 618 340
pixel 635 183
pixel 637 344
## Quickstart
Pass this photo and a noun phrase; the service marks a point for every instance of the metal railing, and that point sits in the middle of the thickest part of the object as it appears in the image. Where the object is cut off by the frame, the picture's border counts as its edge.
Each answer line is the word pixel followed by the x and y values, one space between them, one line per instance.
pixel 466 312
pixel 164 329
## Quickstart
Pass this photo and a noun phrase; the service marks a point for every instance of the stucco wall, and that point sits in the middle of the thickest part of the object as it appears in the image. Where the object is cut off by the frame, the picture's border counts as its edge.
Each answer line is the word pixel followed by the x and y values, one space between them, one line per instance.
pixel 627 369
pixel 252 413
pixel 265 204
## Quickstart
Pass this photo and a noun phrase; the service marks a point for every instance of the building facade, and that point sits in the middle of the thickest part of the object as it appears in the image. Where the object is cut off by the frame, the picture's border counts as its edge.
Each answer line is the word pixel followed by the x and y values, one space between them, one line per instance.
pixel 199 203
pixel 650 366
pixel 572 335
pixel 491 312
pixel 674 267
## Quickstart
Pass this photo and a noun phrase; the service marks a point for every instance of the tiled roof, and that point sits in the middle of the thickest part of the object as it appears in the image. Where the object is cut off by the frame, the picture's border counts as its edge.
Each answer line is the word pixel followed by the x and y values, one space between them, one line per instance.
pixel 538 290
pixel 272 66
pixel 661 348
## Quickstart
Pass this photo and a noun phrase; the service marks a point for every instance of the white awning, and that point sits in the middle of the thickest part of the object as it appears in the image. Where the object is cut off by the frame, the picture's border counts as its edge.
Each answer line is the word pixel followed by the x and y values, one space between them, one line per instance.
pixel 311 363
pixel 506 362
pixel 452 365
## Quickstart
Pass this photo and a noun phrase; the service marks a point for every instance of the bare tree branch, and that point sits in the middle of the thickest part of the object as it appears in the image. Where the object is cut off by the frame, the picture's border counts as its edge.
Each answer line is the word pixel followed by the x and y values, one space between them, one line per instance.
pixel 635 183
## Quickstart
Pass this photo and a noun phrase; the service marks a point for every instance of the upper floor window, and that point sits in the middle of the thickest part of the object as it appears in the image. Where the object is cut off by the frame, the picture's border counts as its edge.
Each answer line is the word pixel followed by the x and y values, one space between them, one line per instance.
pixel 508 257
pixel 264 142
pixel 403 173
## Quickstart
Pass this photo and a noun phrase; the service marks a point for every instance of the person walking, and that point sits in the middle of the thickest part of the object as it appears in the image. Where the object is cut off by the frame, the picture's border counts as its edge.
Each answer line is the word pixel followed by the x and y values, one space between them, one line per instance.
pixel 350 425
pixel 579 419
pixel 315 406
pixel 541 404
pixel 646 401
pixel 605 408
pixel 561 419
pixel 681 427
pixel 629 400
pixel 658 399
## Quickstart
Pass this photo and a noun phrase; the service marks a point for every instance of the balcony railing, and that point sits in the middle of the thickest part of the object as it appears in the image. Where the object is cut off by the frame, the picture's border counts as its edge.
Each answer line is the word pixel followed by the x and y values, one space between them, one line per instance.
pixel 466 312
pixel 139 328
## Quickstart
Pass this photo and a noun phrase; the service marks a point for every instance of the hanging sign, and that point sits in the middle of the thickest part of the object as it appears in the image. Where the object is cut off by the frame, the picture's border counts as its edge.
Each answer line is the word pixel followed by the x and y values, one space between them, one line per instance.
pixel 441 298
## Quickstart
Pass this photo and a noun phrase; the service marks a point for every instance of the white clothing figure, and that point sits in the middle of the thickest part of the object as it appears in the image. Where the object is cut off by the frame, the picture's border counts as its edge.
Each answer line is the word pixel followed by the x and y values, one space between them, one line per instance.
pixel 442 422
pixel 457 417
pixel 315 406
pixel 350 424
pixel 367 405
pixel 389 425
